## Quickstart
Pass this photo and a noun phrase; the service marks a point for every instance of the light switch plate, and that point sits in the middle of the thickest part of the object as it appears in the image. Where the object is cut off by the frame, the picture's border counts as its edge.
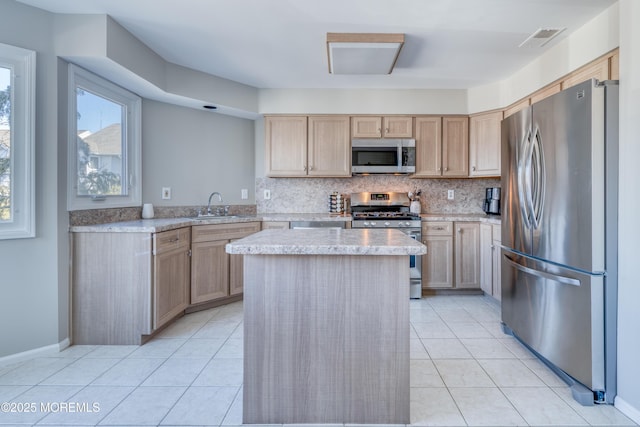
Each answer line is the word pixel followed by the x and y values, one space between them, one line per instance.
pixel 244 194
pixel 267 194
pixel 450 194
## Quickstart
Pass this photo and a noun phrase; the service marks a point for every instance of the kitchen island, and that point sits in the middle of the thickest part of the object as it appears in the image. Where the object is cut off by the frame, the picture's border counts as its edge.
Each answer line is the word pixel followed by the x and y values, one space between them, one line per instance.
pixel 326 326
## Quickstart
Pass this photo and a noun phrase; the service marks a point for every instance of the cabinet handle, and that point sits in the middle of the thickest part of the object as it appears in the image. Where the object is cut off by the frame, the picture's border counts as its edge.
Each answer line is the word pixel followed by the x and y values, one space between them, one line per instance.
pixel 174 240
pixel 304 168
pixel 446 169
pixel 386 130
pixel 459 230
pixel 473 168
pixel 379 130
pixel 310 168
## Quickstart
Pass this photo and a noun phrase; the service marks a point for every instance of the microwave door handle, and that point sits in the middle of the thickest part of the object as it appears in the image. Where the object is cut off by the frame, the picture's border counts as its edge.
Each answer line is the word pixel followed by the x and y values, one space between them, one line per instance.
pixel 399 148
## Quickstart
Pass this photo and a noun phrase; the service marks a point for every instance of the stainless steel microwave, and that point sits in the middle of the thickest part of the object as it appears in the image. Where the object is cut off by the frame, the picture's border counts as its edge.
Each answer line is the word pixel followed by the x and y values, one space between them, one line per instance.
pixel 395 156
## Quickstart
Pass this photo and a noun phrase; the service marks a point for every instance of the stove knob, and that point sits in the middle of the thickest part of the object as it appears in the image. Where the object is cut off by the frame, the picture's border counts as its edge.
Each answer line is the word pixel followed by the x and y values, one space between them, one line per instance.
pixel 387 223
pixel 373 223
pixel 407 223
pixel 366 223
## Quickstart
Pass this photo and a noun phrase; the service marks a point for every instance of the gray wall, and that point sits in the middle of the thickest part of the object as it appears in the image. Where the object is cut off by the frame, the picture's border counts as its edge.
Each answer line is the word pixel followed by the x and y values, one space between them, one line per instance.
pixel 33 303
pixel 195 153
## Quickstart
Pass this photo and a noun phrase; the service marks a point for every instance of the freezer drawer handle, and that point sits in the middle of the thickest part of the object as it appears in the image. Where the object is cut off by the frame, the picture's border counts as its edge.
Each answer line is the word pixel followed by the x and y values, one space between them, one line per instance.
pixel 543 274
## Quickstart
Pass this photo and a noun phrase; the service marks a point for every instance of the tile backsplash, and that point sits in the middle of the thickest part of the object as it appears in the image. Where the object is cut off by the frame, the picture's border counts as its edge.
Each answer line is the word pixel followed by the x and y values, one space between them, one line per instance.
pixel 310 195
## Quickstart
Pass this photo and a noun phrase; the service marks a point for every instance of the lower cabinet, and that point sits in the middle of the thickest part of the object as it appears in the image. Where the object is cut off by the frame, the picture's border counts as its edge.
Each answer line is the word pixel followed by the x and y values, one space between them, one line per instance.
pixel 279 225
pixel 171 274
pixel 490 259
pixel 127 284
pixel 214 273
pixel 452 259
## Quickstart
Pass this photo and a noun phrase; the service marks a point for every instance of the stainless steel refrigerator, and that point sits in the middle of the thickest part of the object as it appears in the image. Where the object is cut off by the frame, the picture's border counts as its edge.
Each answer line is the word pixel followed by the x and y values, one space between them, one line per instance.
pixel 559 234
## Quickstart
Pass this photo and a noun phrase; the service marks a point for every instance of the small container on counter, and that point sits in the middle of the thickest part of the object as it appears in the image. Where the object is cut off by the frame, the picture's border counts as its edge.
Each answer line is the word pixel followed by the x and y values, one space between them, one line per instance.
pixel 337 202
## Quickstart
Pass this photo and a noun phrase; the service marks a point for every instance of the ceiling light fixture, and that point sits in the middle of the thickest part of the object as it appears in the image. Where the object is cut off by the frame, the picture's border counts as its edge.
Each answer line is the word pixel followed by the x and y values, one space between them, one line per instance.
pixel 542 36
pixel 363 53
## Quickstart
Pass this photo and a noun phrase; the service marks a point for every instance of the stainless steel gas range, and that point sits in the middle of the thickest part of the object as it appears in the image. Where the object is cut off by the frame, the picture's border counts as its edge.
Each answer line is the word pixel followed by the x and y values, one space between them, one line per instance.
pixel 390 210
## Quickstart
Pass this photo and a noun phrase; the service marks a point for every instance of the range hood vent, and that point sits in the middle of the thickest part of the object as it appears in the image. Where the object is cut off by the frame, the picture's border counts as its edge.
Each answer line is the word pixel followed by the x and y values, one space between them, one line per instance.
pixel 541 37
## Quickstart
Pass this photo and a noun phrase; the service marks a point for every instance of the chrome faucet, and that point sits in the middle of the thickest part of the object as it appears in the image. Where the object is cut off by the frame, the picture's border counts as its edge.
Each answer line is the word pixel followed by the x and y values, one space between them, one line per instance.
pixel 209 203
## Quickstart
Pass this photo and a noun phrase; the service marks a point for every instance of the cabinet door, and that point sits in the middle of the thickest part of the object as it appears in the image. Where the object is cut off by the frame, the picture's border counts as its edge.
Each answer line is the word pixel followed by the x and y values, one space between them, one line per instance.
pixel 514 108
pixel 428 146
pixel 545 93
pixel 329 146
pixel 171 274
pixel 210 268
pixel 486 259
pixel 437 264
pixel 455 146
pixel 467 256
pixel 286 146
pixel 397 127
pixel 484 144
pixel 366 127
pixel 597 70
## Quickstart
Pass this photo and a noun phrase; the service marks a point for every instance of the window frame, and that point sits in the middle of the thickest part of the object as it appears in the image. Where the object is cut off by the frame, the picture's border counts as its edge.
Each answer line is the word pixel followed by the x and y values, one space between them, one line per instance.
pixel 22 63
pixel 132 168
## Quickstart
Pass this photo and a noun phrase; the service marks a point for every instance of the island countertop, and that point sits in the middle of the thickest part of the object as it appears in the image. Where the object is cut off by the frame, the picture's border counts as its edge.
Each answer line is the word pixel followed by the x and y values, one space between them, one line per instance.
pixel 327 242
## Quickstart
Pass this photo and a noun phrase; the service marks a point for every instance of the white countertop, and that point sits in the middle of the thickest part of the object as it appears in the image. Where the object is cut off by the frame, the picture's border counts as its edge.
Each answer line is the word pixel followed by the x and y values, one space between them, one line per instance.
pixel 327 242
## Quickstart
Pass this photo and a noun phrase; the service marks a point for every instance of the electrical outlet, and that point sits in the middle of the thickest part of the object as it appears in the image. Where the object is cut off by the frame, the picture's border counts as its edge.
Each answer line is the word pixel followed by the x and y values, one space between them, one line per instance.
pixel 450 194
pixel 166 193
pixel 267 194
pixel 244 194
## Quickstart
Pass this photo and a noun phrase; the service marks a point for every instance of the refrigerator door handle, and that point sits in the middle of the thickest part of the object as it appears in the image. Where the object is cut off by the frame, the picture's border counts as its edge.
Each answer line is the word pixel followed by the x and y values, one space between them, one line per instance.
pixel 537 187
pixel 523 180
pixel 543 274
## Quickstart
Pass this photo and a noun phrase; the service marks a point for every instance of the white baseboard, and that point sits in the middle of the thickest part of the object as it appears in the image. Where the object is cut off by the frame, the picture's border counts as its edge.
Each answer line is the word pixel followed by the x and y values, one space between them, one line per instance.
pixel 36 352
pixel 627 409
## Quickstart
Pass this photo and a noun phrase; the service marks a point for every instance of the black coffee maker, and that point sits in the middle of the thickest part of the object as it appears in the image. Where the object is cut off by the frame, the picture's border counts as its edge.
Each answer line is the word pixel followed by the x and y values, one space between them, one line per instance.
pixel 491 203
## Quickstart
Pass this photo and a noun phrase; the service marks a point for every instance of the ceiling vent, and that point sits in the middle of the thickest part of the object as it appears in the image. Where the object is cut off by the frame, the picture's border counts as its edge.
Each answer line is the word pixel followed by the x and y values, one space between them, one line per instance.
pixel 541 37
pixel 363 53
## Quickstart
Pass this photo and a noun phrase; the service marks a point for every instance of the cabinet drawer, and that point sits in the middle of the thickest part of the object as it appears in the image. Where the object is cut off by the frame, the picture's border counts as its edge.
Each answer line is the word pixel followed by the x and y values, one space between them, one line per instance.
pixel 437 228
pixel 170 240
pixel 207 233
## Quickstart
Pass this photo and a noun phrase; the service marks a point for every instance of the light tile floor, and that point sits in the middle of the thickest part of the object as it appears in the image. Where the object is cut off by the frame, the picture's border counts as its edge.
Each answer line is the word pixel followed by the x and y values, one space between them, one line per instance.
pixel 464 371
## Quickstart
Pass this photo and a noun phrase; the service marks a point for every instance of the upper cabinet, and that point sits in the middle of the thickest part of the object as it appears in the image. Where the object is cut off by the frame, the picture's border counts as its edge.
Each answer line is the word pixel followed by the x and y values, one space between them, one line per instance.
pixel 286 145
pixel 484 144
pixel 595 70
pixel 442 147
pixel 381 127
pixel 329 146
pixel 301 146
pixel 455 146
pixel 545 92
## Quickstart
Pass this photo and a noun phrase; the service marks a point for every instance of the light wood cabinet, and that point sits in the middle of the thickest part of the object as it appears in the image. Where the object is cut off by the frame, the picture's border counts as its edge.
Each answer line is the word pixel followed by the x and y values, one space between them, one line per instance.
pixel 614 66
pixel 286 145
pixel 301 146
pixel 437 263
pixel 214 273
pixel 455 146
pixel 126 285
pixel 514 108
pixel 171 274
pixel 428 146
pixel 596 70
pixel 329 146
pixel 467 254
pixel 381 127
pixel 545 92
pixel 484 144
pixel 442 147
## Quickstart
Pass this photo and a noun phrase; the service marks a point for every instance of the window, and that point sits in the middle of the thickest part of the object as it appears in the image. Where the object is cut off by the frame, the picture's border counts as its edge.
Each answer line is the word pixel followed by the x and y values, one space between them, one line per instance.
pixel 104 143
pixel 17 114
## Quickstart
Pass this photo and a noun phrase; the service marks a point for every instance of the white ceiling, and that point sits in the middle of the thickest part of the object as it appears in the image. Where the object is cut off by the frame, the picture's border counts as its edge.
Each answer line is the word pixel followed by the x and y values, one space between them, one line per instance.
pixel 452 44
